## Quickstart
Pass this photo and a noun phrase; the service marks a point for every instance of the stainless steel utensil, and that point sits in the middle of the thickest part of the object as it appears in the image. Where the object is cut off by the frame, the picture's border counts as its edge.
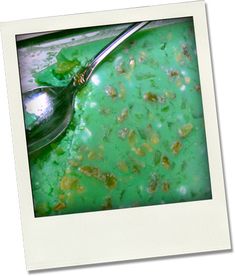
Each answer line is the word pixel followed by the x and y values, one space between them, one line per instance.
pixel 53 107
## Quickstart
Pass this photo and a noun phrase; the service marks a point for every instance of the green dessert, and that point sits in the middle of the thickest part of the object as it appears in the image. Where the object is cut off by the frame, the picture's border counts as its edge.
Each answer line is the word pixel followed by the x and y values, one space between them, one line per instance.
pixel 137 137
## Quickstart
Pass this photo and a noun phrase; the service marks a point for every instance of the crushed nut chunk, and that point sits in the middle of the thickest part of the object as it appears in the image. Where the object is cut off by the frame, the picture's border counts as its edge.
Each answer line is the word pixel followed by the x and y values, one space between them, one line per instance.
pixel 186 51
pixel 68 182
pixel 198 88
pixel 123 166
pixel 80 189
pixel 120 68
pixel 111 91
pixel 74 163
pixel 107 204
pixel 150 97
pixel 165 186
pixel 147 147
pixel 166 162
pixel 123 133
pixel 59 206
pixel 154 138
pixel 173 73
pixel 138 151
pixel 123 116
pixel 176 147
pixel 110 180
pixel 185 130
pixel 90 171
pixel 142 56
pixel 132 137
pixel 153 183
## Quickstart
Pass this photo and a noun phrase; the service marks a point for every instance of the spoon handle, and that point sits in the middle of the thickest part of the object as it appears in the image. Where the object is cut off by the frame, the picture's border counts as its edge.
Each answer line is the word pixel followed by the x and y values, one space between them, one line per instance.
pixel 110 47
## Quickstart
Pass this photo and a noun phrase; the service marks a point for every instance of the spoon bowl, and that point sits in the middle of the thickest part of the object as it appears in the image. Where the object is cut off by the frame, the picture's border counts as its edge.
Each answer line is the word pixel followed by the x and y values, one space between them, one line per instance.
pixel 52 107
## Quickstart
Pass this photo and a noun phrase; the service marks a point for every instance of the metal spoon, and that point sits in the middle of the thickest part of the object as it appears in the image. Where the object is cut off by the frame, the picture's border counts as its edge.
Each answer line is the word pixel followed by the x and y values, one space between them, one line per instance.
pixel 52 107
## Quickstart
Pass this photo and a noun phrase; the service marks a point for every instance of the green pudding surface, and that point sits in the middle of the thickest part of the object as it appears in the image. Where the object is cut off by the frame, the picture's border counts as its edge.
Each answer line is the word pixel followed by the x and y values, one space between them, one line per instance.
pixel 137 137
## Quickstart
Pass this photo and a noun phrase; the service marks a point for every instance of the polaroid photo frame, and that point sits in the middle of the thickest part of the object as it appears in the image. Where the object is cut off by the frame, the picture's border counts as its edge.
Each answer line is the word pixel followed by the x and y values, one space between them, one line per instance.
pixel 128 233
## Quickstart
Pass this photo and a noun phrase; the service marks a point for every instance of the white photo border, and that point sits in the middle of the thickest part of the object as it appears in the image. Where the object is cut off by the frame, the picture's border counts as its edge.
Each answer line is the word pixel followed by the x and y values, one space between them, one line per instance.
pixel 124 234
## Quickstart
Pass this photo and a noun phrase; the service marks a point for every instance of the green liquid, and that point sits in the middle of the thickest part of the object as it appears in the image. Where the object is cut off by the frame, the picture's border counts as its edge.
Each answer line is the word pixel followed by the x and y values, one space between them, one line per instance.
pixel 137 137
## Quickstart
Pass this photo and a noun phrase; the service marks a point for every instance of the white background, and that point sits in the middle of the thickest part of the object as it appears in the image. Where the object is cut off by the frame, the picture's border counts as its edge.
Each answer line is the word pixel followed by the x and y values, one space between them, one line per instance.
pixel 221 20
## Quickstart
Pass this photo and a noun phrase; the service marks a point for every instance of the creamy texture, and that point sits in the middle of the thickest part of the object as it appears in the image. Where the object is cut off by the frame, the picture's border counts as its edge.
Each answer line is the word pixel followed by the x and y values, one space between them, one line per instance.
pixel 137 137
